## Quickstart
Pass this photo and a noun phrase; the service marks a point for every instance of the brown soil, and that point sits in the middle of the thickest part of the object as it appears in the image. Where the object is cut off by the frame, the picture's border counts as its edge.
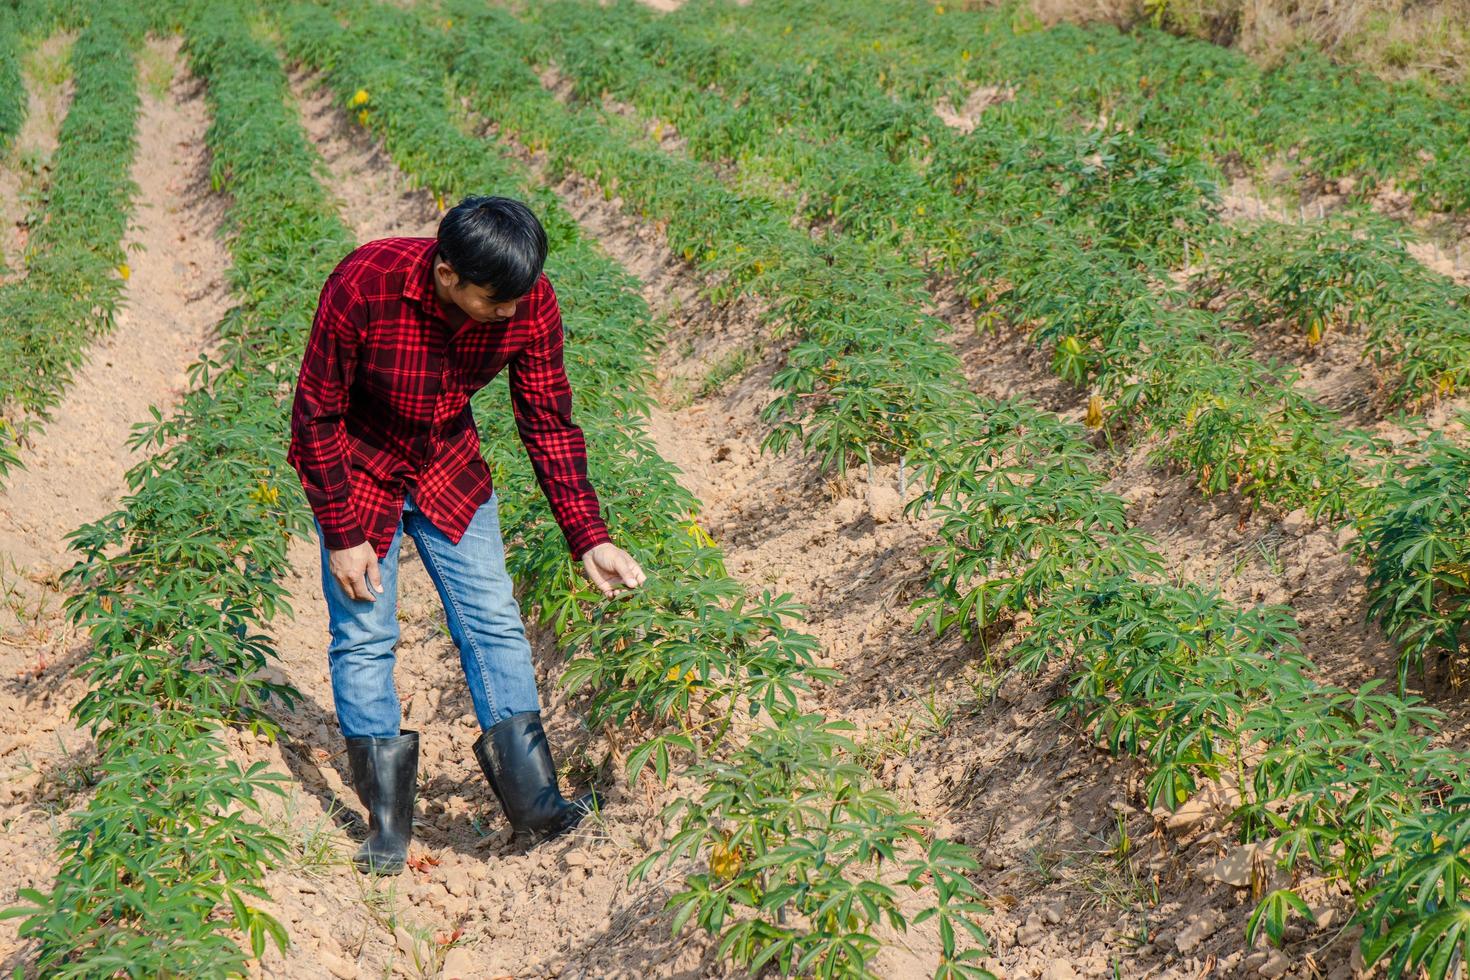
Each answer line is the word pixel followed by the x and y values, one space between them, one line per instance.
pixel 967 116
pixel 46 106
pixel 75 473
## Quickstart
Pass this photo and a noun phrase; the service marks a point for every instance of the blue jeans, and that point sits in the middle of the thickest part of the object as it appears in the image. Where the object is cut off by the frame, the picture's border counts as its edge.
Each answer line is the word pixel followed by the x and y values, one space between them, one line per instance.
pixel 484 622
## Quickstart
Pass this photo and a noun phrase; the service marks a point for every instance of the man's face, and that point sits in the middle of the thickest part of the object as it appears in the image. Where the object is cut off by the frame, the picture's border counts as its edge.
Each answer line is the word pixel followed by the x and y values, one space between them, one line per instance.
pixel 478 302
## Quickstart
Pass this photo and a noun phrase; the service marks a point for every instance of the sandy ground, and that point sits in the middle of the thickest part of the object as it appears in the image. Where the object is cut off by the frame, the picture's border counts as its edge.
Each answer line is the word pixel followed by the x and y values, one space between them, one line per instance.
pixel 23 169
pixel 75 474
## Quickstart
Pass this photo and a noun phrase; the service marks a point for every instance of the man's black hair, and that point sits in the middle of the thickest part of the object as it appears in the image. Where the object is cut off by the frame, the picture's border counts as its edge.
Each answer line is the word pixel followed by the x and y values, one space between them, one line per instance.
pixel 495 242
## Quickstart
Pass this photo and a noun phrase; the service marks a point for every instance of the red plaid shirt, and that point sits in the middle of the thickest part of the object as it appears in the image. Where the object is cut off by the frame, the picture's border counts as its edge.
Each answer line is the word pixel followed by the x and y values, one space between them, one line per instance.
pixel 382 403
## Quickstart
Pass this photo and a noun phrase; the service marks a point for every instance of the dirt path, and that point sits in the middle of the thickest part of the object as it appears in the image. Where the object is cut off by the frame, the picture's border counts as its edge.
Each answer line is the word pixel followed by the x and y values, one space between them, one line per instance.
pixel 75 473
pixel 46 70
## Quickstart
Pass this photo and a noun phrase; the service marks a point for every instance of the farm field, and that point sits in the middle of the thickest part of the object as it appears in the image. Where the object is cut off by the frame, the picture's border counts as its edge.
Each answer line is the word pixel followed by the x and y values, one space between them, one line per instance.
pixel 1047 447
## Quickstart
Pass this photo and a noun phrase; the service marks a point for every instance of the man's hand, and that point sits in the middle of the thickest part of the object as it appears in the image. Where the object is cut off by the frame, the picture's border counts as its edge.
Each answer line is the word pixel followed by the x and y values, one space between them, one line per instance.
pixel 356 568
pixel 608 565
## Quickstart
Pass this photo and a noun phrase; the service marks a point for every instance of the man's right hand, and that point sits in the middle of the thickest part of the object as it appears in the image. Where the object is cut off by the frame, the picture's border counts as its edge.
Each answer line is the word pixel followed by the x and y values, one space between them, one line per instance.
pixel 356 568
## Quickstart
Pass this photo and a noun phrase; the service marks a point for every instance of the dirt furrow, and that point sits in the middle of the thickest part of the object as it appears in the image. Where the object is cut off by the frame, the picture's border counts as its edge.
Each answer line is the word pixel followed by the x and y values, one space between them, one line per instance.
pixel 75 471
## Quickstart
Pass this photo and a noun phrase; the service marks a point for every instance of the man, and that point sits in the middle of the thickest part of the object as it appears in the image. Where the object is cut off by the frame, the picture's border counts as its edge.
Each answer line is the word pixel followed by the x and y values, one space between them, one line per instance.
pixel 406 330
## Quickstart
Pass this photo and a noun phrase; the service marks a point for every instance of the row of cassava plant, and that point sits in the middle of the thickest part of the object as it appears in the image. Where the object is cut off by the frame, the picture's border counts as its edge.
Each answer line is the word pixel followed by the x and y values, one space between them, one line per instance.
pixel 1326 121
pixel 1348 273
pixel 163 865
pixel 74 267
pixel 840 294
pixel 1073 276
pixel 12 85
pixel 1417 546
pixel 854 425
pixel 1228 419
pixel 1414 352
pixel 802 852
pixel 832 144
pixel 1161 662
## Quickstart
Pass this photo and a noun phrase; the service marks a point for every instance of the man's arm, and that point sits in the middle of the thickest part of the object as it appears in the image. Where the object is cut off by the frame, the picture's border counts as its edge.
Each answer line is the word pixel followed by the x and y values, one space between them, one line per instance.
pixel 318 434
pixel 541 400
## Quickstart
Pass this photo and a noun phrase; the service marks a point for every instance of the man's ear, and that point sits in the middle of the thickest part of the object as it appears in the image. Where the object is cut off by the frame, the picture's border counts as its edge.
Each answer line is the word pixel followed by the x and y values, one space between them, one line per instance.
pixel 445 273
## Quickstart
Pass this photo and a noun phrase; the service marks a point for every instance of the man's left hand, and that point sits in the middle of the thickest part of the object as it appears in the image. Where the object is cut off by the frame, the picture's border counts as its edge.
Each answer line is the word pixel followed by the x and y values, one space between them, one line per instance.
pixel 611 568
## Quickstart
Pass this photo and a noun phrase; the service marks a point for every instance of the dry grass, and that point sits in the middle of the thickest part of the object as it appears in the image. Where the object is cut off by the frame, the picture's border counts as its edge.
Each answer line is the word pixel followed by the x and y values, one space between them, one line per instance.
pixel 1427 39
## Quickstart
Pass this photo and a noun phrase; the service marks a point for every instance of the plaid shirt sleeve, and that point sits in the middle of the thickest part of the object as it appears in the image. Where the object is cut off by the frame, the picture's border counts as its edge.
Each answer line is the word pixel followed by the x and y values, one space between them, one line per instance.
pixel 318 434
pixel 541 400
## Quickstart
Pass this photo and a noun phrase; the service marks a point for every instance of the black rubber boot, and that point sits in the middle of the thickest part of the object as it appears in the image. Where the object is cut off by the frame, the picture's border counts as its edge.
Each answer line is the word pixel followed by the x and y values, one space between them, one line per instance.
pixel 385 774
pixel 516 759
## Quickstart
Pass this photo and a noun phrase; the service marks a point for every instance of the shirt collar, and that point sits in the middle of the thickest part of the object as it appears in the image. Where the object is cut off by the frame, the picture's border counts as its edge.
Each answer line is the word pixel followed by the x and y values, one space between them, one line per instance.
pixel 418 284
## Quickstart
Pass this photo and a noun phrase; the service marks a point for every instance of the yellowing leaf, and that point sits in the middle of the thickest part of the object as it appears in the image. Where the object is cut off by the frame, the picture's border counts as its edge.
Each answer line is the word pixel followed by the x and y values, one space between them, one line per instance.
pixel 359 97
pixel 125 271
pixel 965 55
pixel 1314 332
pixel 1457 568
pixel 362 117
pixel 725 861
pixel 1094 416
pixel 698 533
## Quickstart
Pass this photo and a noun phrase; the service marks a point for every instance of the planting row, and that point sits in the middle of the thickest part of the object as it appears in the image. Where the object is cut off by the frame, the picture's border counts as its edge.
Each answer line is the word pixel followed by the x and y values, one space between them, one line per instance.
pixel 163 864
pixel 73 267
pixel 12 86
pixel 802 852
pixel 1087 275
pixel 1328 121
pixel 1194 684
pixel 889 169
